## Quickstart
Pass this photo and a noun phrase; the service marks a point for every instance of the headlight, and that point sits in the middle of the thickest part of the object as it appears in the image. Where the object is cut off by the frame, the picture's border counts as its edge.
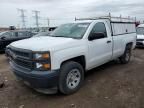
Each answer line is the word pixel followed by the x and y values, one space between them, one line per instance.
pixel 42 60
pixel 38 56
pixel 43 66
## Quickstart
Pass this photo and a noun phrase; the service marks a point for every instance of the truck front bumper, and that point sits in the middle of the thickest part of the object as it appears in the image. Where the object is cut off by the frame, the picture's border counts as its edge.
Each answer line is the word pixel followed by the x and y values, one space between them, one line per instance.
pixel 140 43
pixel 36 79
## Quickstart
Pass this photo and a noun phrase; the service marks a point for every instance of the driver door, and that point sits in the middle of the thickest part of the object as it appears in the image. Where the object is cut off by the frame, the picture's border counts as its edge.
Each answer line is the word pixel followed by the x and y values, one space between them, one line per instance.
pixel 100 49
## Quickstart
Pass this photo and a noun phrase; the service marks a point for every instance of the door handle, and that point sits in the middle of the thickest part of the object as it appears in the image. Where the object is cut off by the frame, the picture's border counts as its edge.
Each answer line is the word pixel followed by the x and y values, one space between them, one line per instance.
pixel 109 41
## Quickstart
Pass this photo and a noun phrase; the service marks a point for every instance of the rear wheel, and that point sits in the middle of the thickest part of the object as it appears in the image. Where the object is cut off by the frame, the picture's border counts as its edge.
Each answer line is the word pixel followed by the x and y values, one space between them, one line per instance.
pixel 71 77
pixel 125 58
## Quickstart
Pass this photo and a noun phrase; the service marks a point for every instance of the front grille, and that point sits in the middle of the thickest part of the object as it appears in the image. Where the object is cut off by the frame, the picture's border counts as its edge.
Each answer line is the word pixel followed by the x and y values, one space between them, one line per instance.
pixel 139 44
pixel 23 63
pixel 21 52
pixel 140 39
pixel 20 57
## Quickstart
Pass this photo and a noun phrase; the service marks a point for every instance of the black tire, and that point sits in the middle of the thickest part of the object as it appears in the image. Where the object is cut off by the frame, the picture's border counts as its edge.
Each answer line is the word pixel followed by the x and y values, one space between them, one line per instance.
pixel 65 71
pixel 125 58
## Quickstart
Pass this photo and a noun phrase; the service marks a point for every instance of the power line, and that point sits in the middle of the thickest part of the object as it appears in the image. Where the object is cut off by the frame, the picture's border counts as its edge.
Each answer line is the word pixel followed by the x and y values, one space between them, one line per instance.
pixel 36 16
pixel 22 11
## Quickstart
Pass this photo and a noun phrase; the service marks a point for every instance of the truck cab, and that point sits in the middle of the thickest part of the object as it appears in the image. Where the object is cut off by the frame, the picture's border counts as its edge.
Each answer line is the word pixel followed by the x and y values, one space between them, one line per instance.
pixel 60 60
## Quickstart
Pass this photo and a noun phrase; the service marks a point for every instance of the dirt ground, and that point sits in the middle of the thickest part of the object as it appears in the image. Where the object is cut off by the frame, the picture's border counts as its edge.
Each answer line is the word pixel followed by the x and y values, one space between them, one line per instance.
pixel 112 85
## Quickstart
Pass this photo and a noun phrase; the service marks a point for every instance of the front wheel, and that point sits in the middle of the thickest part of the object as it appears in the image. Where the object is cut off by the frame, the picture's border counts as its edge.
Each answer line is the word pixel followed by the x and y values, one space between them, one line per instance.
pixel 71 77
pixel 125 58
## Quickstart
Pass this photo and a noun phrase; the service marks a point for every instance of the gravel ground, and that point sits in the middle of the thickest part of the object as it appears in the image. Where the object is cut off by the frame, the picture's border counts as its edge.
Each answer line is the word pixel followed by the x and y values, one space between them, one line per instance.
pixel 112 85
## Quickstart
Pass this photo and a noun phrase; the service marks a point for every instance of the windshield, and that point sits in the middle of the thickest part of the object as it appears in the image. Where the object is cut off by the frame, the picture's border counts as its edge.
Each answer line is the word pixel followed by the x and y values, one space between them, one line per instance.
pixel 71 30
pixel 140 30
pixel 42 34
pixel 1 33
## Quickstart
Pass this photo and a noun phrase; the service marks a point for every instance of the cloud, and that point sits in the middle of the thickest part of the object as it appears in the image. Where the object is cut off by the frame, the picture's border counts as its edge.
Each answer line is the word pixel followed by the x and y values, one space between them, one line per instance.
pixel 60 11
pixel 117 7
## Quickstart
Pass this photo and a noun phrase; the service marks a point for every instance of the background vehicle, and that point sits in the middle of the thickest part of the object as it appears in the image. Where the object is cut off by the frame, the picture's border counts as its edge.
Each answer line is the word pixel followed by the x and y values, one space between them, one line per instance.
pixel 59 61
pixel 42 34
pixel 140 36
pixel 10 36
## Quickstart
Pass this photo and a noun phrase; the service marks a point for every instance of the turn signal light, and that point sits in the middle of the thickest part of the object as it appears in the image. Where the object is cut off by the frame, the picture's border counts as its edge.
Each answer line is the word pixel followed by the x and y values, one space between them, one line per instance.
pixel 45 56
pixel 46 66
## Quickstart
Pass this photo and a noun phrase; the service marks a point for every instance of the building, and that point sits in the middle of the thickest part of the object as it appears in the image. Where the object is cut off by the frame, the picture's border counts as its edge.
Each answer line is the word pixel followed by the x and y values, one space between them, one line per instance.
pixel 3 29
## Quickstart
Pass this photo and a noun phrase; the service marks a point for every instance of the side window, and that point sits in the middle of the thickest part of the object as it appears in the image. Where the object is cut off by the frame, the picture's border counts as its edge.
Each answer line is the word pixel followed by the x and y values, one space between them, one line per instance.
pixel 27 34
pixel 99 28
pixel 13 35
pixel 21 34
pixel 7 35
pixel 16 34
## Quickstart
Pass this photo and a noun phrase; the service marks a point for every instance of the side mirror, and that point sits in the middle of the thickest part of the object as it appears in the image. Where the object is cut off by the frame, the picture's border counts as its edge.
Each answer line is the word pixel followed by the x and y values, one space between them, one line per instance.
pixel 94 36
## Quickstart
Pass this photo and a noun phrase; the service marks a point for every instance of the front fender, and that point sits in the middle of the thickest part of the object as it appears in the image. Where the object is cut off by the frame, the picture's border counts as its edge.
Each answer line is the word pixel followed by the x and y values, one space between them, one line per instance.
pixel 60 56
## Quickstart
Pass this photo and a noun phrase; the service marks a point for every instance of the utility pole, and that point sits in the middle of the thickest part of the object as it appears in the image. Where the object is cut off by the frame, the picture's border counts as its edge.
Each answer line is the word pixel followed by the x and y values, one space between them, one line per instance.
pixel 22 11
pixel 36 16
pixel 48 22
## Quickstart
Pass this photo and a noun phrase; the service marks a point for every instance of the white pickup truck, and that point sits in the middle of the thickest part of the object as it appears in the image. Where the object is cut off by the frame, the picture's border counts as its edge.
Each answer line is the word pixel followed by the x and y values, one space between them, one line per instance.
pixel 60 60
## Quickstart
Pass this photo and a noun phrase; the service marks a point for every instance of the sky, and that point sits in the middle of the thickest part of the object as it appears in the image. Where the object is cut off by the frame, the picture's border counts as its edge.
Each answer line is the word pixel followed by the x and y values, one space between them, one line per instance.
pixel 64 11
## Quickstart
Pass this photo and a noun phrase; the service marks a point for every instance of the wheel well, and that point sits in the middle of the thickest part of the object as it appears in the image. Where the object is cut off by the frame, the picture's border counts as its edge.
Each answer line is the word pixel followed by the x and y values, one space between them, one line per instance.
pixel 79 59
pixel 129 45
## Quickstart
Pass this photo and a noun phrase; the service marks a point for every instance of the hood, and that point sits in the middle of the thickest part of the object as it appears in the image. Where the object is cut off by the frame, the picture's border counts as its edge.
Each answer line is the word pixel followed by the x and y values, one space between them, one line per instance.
pixel 140 36
pixel 44 43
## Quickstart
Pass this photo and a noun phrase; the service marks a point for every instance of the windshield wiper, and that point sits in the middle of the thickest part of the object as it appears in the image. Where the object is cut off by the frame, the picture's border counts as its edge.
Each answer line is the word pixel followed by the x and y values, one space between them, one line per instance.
pixel 56 36
pixel 59 36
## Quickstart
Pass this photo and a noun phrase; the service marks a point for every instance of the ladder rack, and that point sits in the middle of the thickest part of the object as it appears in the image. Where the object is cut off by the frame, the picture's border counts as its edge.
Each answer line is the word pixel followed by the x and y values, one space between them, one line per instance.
pixel 111 18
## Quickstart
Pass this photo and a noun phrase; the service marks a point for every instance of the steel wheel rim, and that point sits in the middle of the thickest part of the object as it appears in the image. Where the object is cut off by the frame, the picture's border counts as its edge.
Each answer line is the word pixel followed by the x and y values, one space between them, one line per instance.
pixel 73 78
